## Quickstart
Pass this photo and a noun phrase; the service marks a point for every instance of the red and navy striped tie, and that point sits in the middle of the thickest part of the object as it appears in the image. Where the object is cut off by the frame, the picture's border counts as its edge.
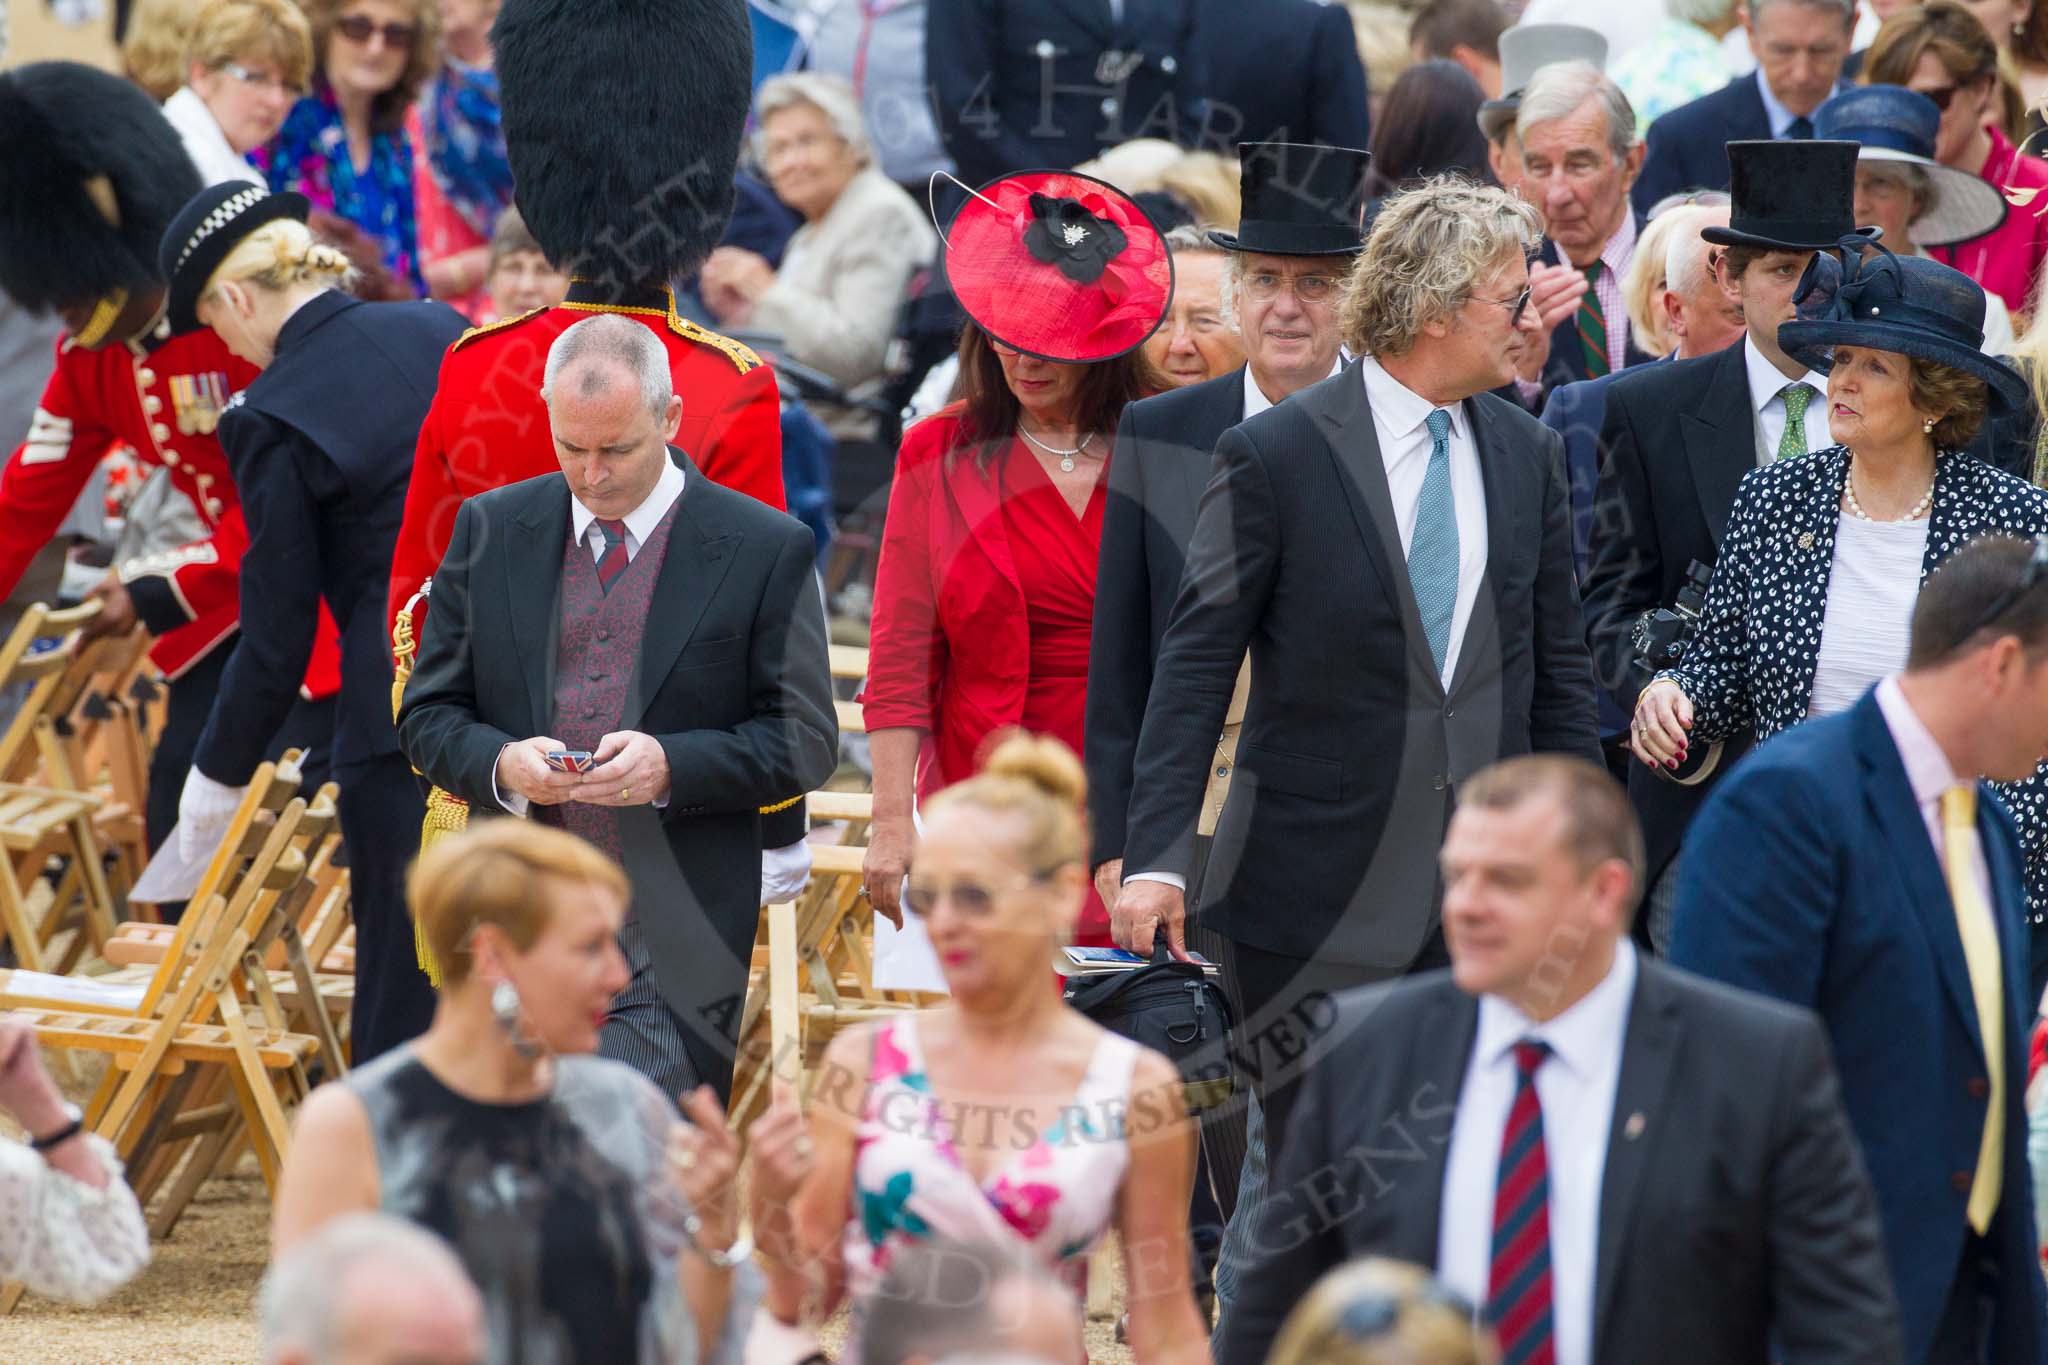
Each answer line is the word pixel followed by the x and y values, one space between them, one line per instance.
pixel 613 562
pixel 1518 1285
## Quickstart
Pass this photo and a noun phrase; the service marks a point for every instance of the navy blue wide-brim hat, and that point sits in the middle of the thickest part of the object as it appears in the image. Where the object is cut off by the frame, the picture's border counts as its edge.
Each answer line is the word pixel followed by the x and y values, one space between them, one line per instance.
pixel 1895 126
pixel 212 223
pixel 1909 305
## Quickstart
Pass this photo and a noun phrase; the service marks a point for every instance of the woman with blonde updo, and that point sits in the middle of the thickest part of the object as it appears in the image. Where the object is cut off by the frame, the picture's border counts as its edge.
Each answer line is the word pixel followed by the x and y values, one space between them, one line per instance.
pixel 1004 1118
pixel 1381 1312
pixel 321 445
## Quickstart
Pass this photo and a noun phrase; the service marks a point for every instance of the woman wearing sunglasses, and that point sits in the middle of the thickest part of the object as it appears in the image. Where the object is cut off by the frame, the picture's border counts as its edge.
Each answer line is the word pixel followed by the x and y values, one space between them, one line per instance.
pixel 344 146
pixel 246 64
pixel 1382 1312
pixel 1940 50
pixel 1004 1119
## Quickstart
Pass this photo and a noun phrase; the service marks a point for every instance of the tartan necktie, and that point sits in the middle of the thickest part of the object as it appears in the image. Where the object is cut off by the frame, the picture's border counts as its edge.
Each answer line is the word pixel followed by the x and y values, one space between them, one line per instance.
pixel 1518 1297
pixel 1593 323
pixel 1980 953
pixel 613 561
pixel 1433 546
pixel 1795 396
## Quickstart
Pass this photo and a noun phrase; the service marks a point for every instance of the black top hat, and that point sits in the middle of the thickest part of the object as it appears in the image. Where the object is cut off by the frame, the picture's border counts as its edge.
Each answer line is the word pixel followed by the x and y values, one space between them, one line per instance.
pixel 1300 199
pixel 210 225
pixel 1789 195
pixel 1909 305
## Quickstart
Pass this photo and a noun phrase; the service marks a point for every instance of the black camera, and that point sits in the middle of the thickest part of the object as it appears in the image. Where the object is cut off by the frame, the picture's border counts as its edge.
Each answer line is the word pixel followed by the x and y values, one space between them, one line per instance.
pixel 1662 634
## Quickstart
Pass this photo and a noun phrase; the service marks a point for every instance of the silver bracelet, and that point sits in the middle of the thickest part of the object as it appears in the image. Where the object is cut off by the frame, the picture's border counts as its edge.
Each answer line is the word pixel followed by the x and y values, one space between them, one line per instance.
pixel 741 1249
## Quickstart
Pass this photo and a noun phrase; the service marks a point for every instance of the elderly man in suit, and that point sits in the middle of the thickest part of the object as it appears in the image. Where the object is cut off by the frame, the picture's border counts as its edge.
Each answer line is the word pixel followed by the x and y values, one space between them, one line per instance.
pixel 631 609
pixel 1526 49
pixel 1800 46
pixel 1858 865
pixel 1619 1161
pixel 1392 547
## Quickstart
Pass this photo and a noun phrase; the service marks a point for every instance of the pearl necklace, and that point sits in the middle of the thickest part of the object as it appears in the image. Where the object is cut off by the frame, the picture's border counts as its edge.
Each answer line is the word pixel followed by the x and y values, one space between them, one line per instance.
pixel 1065 457
pixel 1856 508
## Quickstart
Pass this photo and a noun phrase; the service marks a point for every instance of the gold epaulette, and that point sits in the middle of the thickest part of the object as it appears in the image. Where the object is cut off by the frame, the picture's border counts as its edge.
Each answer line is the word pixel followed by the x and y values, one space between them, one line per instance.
pixel 742 356
pixel 488 328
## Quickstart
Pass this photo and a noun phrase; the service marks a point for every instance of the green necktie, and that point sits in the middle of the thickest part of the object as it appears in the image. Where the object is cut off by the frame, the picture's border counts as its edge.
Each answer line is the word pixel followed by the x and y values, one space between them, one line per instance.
pixel 1796 395
pixel 1593 324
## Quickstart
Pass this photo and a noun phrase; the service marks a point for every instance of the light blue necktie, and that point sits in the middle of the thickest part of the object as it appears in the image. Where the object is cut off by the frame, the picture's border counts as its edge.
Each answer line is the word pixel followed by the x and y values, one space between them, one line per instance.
pixel 1433 549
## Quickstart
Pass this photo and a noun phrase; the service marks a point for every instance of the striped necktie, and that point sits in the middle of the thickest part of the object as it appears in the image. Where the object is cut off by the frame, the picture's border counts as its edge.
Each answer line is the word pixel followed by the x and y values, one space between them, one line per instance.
pixel 613 561
pixel 1433 547
pixel 1518 1297
pixel 1980 953
pixel 1795 396
pixel 1593 323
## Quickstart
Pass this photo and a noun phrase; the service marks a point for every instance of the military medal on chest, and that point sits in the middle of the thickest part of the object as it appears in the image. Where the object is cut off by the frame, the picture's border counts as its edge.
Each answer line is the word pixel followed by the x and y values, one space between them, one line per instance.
pixel 199 400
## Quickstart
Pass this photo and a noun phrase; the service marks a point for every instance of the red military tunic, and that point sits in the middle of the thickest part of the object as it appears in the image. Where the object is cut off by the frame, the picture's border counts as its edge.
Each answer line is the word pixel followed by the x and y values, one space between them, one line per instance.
pixel 488 426
pixel 162 397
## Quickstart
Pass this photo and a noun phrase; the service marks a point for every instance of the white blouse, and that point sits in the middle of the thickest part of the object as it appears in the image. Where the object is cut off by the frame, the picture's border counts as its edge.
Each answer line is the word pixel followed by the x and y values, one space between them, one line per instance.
pixel 1871 590
pixel 63 1238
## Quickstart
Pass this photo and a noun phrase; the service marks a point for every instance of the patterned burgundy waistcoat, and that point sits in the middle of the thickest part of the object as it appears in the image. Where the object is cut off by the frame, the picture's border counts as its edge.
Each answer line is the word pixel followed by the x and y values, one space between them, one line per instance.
pixel 597 652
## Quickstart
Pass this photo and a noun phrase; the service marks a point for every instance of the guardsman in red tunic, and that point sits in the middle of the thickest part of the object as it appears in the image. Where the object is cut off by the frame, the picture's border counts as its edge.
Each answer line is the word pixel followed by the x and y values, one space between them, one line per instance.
pixel 106 173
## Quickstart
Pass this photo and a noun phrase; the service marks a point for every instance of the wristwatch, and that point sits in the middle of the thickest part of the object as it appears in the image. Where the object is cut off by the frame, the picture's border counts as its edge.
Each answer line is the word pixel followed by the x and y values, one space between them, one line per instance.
pixel 74 1120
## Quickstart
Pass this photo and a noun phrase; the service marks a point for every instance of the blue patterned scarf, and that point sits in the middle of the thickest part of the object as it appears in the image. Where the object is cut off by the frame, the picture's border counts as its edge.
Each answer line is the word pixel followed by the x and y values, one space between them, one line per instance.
pixel 466 143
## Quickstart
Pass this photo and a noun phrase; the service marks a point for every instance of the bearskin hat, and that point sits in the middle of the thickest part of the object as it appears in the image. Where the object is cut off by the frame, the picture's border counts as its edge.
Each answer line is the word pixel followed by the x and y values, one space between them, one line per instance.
pixel 623 121
pixel 90 175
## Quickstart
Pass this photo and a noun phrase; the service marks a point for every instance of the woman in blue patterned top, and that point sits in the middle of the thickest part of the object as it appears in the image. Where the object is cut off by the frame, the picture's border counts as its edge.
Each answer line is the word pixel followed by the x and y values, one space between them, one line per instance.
pixel 344 145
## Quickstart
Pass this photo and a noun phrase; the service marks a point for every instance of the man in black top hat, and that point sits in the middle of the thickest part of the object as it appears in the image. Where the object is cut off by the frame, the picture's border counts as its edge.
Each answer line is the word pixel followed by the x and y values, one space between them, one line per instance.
pixel 1679 437
pixel 1294 244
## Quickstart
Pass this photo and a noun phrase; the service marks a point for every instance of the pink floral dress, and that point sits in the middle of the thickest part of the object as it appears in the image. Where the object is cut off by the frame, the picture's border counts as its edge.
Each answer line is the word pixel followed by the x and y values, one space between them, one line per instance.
pixel 1053 1192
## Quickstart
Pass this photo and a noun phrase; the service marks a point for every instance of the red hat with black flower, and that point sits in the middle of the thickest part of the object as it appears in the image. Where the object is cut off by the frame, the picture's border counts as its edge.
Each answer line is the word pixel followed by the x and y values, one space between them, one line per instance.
pixel 1058 265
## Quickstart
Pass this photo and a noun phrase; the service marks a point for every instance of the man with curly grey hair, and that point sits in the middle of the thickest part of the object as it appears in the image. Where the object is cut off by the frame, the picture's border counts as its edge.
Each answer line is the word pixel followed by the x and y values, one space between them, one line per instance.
pixel 1393 548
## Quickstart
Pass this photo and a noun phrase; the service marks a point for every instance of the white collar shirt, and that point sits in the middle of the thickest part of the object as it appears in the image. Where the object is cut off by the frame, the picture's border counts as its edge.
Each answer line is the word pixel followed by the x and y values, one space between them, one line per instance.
pixel 640 522
pixel 1399 418
pixel 1255 400
pixel 1766 398
pixel 1576 1086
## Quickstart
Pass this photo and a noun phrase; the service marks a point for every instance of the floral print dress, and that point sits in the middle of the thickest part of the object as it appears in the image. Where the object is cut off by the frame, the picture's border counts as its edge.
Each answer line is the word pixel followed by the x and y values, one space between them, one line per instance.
pixel 1053 1192
pixel 310 155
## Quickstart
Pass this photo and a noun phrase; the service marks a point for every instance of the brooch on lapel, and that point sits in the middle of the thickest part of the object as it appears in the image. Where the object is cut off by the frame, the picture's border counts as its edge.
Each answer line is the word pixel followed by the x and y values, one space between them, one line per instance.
pixel 1806 540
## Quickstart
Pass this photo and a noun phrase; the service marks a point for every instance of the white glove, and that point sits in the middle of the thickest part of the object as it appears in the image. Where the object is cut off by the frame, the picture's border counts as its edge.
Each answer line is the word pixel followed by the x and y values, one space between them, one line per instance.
pixel 205 810
pixel 784 872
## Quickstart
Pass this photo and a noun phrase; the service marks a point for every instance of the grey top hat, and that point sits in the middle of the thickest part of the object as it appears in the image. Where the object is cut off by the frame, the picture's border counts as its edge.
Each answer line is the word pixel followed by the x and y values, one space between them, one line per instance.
pixel 1526 49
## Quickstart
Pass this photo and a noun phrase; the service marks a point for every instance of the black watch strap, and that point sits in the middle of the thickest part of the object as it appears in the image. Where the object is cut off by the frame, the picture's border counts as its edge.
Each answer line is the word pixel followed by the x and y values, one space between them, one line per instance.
pixel 62 1135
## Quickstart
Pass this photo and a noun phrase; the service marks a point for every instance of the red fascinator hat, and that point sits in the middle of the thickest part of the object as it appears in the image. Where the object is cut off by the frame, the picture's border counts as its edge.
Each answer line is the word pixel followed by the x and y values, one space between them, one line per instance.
pixel 1061 266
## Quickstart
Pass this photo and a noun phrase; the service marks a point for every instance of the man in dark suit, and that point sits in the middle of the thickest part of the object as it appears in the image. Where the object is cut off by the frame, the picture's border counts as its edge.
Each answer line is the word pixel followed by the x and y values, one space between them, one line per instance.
pixel 1392 547
pixel 1676 439
pixel 1857 865
pixel 633 609
pixel 1282 71
pixel 1033 84
pixel 1799 46
pixel 1617 1161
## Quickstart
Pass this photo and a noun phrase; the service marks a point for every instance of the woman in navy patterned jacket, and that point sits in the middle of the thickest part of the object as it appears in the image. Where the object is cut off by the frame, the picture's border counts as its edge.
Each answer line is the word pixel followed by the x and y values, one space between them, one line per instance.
pixel 1813 591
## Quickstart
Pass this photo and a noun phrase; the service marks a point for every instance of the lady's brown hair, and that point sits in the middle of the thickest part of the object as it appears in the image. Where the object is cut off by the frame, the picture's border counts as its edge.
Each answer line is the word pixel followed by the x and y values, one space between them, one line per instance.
pixel 501 872
pixel 1956 39
pixel 1961 397
pixel 991 417
pixel 387 111
pixel 269 30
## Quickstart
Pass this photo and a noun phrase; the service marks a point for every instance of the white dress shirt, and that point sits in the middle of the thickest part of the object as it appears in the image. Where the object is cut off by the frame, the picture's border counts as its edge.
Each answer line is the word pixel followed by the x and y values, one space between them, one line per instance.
pixel 205 143
pixel 1399 417
pixel 1766 383
pixel 640 524
pixel 1255 400
pixel 1575 1086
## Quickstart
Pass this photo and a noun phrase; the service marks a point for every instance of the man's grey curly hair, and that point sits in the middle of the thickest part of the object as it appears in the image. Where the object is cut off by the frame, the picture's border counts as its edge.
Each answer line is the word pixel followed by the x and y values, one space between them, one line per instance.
pixel 1430 247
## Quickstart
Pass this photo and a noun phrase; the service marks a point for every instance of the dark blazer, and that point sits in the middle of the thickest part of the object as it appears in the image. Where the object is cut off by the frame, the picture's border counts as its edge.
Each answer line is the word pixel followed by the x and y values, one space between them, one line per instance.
pixel 1688 147
pixel 1809 876
pixel 1018 85
pixel 322 449
pixel 1282 71
pixel 1160 466
pixel 1351 742
pixel 1567 362
pixel 1736 1223
pixel 1675 441
pixel 732 680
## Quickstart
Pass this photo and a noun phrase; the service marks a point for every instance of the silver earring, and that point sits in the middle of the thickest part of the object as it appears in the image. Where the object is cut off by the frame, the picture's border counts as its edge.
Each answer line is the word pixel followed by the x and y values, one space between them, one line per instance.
pixel 505 1009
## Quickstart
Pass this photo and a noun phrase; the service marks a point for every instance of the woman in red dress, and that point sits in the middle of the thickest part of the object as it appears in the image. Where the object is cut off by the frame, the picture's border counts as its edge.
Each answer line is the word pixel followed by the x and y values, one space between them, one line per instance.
pixel 985 594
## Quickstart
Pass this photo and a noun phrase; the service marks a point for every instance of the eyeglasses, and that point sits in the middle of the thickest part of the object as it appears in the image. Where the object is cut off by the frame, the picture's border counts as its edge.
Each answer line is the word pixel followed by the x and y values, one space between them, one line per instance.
pixel 1265 286
pixel 976 900
pixel 1515 305
pixel 254 81
pixel 2007 600
pixel 360 28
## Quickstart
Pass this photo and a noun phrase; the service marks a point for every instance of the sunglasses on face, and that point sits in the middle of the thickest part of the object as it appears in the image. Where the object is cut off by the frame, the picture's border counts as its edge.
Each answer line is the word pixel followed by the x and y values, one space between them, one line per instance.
pixel 1515 306
pixel 1944 96
pixel 976 900
pixel 360 28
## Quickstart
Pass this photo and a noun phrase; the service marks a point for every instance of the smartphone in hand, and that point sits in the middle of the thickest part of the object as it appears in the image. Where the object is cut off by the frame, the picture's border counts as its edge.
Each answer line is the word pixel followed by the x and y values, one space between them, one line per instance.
pixel 570 760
